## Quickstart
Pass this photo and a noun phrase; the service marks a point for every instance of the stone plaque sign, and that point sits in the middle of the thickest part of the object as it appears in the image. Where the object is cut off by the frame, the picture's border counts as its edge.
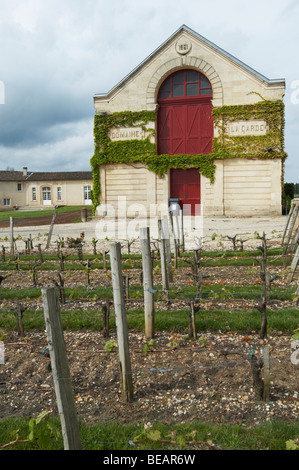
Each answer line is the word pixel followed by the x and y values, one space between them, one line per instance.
pixel 126 133
pixel 253 127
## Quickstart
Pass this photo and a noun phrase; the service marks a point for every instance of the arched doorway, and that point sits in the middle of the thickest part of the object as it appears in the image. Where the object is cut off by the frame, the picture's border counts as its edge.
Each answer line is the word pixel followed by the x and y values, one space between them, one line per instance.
pixel 185 126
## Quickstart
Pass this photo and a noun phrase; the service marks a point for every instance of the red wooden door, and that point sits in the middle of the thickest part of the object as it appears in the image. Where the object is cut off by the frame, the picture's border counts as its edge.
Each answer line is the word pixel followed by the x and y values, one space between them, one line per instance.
pixel 185 129
pixel 185 126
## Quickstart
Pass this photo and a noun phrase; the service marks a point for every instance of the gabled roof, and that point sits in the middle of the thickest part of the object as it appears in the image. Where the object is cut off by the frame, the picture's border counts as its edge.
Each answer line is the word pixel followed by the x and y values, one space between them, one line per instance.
pixel 208 43
pixel 11 176
pixel 45 176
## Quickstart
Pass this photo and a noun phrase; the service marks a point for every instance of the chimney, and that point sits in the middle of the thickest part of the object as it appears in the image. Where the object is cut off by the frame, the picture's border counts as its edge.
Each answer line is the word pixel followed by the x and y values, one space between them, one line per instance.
pixel 24 170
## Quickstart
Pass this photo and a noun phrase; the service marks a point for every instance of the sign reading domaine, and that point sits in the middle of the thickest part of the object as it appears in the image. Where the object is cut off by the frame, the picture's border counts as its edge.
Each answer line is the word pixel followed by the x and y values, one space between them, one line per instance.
pixel 127 133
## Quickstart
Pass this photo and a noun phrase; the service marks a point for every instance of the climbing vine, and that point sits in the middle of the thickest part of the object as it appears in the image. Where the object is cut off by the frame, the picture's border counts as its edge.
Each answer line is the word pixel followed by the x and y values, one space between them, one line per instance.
pixel 137 151
pixel 268 146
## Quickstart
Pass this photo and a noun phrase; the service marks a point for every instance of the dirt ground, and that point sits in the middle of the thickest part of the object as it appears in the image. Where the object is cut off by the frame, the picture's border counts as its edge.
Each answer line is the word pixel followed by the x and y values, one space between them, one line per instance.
pixel 208 378
pixel 205 379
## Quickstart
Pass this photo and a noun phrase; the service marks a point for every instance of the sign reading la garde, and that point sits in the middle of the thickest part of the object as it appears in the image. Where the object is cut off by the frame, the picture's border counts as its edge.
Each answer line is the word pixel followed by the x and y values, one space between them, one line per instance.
pixel 253 127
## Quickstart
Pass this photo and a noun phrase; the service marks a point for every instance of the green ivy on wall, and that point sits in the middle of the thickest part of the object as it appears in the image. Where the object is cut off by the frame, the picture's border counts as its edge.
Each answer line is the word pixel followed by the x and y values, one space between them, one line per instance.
pixel 137 151
pixel 266 146
pixel 144 151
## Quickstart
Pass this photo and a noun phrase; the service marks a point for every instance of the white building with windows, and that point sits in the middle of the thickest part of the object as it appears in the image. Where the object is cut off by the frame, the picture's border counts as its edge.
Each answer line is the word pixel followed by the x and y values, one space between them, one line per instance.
pixel 25 189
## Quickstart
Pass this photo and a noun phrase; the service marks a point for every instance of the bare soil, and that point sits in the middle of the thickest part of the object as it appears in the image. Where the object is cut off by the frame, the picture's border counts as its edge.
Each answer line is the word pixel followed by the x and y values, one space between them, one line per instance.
pixel 207 379
pixel 61 218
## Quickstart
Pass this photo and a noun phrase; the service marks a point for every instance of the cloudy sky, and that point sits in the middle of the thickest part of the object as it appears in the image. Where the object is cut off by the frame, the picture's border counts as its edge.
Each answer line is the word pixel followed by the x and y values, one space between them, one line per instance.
pixel 57 54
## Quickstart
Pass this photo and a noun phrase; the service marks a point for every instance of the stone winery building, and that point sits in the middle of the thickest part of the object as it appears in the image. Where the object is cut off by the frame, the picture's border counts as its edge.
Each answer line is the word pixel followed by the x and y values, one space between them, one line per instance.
pixel 194 124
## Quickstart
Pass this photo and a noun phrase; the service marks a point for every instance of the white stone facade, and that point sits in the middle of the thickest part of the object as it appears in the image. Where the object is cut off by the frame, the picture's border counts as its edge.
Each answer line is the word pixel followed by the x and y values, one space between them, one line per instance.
pixel 242 187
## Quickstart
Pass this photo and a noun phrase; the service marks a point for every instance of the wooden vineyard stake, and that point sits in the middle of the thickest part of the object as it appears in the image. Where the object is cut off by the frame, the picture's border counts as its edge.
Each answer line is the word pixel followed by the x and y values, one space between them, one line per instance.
pixel 182 237
pixel 39 247
pixel 51 229
pixel 17 262
pixel 149 307
pixel 294 265
pixel 60 369
pixel 11 235
pixel 121 322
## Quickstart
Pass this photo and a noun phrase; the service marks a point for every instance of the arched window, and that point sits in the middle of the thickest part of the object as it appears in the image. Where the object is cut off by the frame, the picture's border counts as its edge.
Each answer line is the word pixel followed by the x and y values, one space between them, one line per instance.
pixel 185 124
pixel 185 84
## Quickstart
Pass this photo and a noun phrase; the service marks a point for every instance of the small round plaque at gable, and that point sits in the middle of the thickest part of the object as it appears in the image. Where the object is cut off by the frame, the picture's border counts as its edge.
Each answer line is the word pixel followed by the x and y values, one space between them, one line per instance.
pixel 183 46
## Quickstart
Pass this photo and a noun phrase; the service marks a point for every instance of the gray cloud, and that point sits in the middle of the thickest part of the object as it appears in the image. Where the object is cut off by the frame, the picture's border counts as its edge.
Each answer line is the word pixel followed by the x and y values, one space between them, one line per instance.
pixel 55 55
